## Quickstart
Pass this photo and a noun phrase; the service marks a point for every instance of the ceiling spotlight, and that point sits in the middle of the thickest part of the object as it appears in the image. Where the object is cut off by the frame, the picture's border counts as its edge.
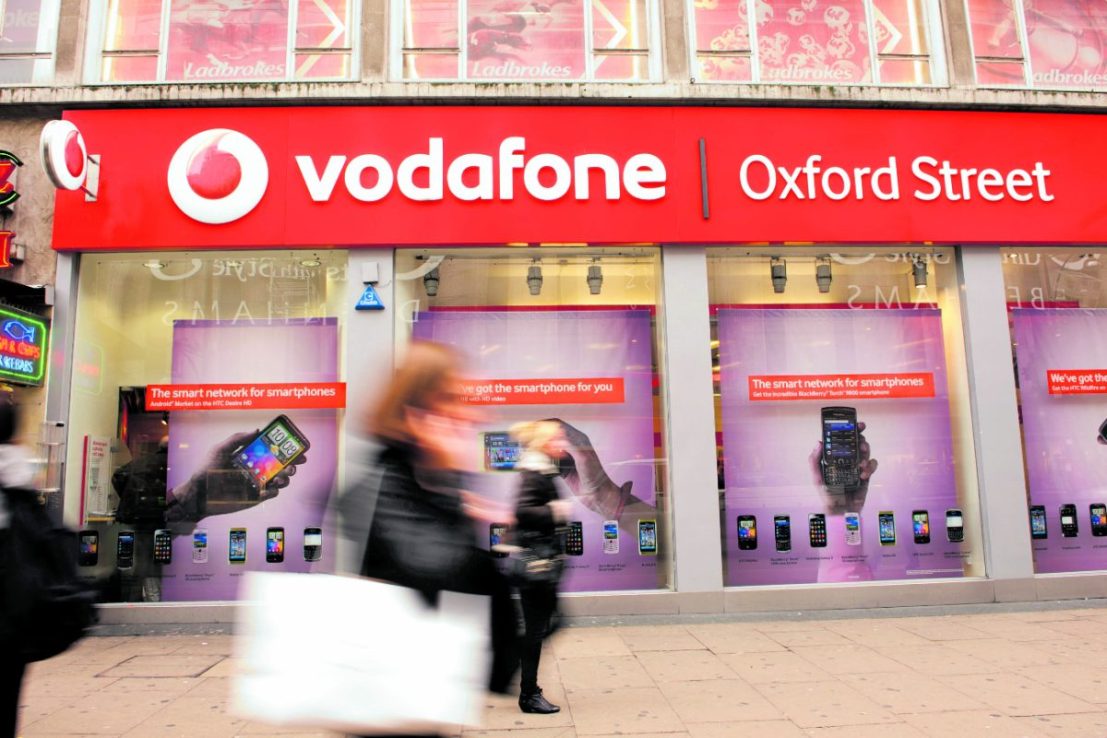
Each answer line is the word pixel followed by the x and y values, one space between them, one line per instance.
pixel 154 264
pixel 595 278
pixel 312 262
pixel 534 279
pixel 822 273
pixel 918 271
pixel 430 282
pixel 778 271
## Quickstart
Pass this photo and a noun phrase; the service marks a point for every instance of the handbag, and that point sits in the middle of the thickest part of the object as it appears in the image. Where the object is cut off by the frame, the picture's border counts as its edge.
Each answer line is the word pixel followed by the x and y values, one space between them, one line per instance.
pixel 536 562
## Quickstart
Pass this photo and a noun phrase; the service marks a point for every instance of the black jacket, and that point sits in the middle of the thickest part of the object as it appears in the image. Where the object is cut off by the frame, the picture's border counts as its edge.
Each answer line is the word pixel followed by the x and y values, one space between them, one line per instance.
pixel 534 519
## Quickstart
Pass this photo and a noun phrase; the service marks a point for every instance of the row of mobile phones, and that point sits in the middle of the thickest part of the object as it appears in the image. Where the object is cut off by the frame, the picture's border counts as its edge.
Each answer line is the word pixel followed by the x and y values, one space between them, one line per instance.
pixel 817 533
pixel 572 538
pixel 89 552
pixel 1069 527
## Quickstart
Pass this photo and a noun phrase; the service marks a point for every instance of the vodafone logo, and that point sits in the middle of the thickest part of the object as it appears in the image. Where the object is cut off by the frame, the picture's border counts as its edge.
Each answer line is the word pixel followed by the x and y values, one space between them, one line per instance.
pixel 64 155
pixel 217 176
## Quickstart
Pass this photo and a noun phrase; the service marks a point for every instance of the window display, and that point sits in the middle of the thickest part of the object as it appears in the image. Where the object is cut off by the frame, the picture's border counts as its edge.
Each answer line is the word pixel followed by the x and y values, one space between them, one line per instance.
pixel 28 35
pixel 214 391
pixel 842 413
pixel 567 336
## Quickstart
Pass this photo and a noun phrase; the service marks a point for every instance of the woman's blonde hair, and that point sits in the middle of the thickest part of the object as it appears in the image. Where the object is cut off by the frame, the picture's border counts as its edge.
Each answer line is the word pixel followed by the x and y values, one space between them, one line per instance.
pixel 423 380
pixel 534 435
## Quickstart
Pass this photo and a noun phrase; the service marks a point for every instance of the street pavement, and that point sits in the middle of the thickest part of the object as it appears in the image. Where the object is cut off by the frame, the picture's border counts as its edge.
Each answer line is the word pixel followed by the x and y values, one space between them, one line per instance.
pixel 1034 671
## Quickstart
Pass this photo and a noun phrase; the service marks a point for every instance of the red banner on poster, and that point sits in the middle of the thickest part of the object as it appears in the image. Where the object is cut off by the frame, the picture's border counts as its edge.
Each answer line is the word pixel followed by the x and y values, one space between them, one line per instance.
pixel 233 396
pixel 1077 381
pixel 764 387
pixel 573 391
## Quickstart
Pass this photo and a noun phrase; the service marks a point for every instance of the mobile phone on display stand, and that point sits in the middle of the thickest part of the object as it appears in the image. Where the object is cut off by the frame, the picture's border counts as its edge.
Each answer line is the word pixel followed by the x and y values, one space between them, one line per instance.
pixel 89 552
pixel 1069 526
pixel 647 537
pixel 497 533
pixel 886 519
pixel 782 532
pixel 125 549
pixel 236 548
pixel 747 532
pixel 271 451
pixel 611 536
pixel 574 538
pixel 853 529
pixel 1099 518
pixel 313 544
pixel 199 546
pixel 840 462
pixel 163 546
pixel 274 545
pixel 1039 529
pixel 920 526
pixel 955 526
pixel 816 530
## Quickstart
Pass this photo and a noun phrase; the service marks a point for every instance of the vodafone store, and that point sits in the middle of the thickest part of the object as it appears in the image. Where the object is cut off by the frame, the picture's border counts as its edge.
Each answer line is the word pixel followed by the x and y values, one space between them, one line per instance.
pixel 822 358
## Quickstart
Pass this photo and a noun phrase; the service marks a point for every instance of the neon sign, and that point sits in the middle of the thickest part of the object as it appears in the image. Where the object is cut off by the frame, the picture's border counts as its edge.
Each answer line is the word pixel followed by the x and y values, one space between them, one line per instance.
pixel 22 347
pixel 9 162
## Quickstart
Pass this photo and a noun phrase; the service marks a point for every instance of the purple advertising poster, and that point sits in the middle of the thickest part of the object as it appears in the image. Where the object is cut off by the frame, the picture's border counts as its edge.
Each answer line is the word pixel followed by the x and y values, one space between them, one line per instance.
pixel 837 453
pixel 235 531
pixel 593 370
pixel 1062 361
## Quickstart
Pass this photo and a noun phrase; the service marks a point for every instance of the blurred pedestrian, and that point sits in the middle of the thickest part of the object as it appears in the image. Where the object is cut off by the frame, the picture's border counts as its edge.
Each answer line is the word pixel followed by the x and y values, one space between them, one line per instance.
pixel 423 534
pixel 539 512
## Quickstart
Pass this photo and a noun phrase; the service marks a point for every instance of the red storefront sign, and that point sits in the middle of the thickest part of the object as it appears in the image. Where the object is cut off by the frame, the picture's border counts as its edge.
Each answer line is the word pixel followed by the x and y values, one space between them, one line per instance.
pixel 356 176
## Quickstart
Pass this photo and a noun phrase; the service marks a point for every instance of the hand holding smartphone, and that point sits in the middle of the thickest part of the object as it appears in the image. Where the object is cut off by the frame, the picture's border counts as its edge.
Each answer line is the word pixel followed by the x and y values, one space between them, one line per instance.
pixel 272 451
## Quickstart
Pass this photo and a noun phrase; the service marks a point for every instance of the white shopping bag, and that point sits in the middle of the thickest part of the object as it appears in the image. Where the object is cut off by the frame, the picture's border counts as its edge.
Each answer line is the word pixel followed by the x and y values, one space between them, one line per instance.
pixel 350 654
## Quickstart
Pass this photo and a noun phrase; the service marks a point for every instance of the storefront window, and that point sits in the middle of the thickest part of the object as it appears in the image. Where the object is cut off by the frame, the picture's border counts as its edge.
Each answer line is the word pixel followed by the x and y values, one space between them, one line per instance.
pixel 28 34
pixel 1052 44
pixel 1057 300
pixel 182 41
pixel 570 336
pixel 205 418
pixel 844 439
pixel 884 42
pixel 523 40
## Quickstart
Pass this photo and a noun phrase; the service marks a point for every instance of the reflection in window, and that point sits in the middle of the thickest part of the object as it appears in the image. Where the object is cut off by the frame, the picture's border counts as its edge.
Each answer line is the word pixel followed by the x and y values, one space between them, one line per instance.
pixel 1058 44
pixel 247 40
pixel 815 41
pixel 28 34
pixel 552 40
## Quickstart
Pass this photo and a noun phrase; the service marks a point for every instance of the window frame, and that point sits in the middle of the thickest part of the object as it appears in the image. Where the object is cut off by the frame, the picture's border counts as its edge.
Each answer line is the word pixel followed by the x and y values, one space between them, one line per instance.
pixel 46 45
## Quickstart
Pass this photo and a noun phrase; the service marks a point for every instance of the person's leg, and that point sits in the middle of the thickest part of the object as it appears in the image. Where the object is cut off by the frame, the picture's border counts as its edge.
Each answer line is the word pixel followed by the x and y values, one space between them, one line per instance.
pixel 536 618
pixel 11 678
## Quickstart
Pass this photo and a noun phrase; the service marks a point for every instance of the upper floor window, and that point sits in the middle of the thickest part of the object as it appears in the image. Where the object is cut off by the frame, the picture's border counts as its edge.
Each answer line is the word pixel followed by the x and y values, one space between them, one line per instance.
pixel 1056 44
pixel 525 40
pixel 820 42
pixel 223 40
pixel 28 34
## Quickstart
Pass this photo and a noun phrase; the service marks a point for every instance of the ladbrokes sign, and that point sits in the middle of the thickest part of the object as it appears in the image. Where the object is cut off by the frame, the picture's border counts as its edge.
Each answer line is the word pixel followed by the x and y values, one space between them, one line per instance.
pixel 384 176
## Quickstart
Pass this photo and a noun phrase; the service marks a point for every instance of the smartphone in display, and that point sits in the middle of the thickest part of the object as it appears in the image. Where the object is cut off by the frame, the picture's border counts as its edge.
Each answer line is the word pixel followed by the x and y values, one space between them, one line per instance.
pixel 574 538
pixel 955 526
pixel 611 536
pixel 497 533
pixel 886 519
pixel 1069 527
pixel 163 546
pixel 853 528
pixel 840 461
pixel 125 549
pixel 1038 526
pixel 816 530
pixel 747 532
pixel 920 526
pixel 274 545
pixel 199 546
pixel 782 531
pixel 278 445
pixel 313 544
pixel 1099 518
pixel 89 551
pixel 236 549
pixel 647 537
pixel 501 451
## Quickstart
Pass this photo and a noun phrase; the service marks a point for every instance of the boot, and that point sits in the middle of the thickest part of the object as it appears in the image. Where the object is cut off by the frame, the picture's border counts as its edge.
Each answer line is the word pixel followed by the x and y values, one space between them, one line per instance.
pixel 536 703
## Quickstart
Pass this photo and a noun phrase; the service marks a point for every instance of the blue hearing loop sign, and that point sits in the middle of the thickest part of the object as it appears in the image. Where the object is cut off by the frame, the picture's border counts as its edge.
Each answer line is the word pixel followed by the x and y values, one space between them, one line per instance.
pixel 370 300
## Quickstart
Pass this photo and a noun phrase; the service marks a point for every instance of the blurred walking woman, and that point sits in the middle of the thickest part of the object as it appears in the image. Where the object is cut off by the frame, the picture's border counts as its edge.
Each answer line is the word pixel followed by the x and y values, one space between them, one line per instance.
pixel 422 535
pixel 538 512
